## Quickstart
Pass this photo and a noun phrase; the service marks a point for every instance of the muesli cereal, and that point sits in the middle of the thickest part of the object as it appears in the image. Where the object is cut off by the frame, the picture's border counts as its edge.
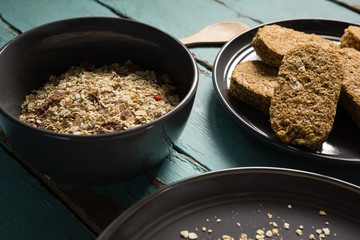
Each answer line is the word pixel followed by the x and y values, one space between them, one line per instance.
pixel 87 100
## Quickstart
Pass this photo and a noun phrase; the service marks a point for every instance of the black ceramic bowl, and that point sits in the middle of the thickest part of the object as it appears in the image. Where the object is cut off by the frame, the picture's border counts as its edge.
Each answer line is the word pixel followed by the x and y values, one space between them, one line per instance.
pixel 26 63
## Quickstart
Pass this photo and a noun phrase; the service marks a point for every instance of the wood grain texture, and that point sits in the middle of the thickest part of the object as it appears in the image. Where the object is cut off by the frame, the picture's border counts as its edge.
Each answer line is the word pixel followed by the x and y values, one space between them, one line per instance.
pixel 211 140
pixel 264 10
pixel 179 18
pixel 6 33
pixel 353 5
pixel 170 16
pixel 176 166
pixel 29 211
pixel 219 142
pixel 25 15
pixel 99 205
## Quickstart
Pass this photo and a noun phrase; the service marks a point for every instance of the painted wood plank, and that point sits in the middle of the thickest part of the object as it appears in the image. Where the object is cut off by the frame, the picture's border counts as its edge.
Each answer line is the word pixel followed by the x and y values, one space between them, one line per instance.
pixel 351 4
pixel 175 168
pixel 177 17
pixel 98 206
pixel 110 199
pixel 181 18
pixel 18 11
pixel 137 7
pixel 6 33
pixel 165 7
pixel 267 11
pixel 211 137
pixel 29 211
pixel 27 14
pixel 208 12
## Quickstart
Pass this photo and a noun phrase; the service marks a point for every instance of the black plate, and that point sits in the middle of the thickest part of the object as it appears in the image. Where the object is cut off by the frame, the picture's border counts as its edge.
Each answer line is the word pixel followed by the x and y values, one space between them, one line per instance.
pixel 241 199
pixel 342 146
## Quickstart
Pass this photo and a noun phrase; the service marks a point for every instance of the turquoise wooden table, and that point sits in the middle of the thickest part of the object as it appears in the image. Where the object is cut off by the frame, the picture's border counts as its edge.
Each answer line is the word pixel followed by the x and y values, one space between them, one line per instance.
pixel 34 206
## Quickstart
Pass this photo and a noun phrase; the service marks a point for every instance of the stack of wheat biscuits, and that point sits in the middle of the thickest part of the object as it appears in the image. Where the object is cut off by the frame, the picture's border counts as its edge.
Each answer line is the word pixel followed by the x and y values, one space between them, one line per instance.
pixel 300 81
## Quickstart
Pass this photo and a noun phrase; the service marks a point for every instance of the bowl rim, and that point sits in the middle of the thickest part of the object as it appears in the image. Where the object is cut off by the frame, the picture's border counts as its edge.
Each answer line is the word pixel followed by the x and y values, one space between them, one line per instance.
pixel 184 101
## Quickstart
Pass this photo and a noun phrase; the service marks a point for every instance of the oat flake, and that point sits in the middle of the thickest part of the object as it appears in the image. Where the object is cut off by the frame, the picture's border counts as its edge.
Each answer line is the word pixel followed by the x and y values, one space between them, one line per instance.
pixel 87 100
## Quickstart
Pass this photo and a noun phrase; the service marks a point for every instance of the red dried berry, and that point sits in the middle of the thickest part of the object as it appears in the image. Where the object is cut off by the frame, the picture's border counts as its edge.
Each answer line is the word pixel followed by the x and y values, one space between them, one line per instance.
pixel 157 97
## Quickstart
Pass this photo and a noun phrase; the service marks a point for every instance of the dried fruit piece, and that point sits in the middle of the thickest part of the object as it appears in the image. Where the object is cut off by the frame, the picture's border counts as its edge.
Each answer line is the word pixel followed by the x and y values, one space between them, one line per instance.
pixel 157 97
pixel 110 127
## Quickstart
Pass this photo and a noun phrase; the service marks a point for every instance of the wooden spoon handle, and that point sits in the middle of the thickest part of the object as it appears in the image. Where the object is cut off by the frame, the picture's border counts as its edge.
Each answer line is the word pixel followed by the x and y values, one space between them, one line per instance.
pixel 216 33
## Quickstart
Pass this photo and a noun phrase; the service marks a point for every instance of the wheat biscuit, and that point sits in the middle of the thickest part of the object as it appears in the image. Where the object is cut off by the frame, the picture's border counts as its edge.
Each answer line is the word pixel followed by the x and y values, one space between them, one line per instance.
pixel 253 82
pixel 303 107
pixel 272 42
pixel 350 91
pixel 351 38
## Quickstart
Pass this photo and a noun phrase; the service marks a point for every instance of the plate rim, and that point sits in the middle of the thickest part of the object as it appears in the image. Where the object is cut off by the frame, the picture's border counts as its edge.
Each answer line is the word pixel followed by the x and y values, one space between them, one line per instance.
pixel 138 206
pixel 288 148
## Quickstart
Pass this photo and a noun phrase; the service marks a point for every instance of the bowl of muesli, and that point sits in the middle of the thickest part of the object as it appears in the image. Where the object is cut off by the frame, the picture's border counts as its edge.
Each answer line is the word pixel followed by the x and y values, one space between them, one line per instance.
pixel 95 100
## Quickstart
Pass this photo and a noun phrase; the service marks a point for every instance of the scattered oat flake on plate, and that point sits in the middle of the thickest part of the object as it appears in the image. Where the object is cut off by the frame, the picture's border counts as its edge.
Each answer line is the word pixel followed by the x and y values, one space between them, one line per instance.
pixel 193 235
pixel 275 231
pixel 274 224
pixel 260 234
pixel 326 231
pixel 286 226
pixel 322 213
pixel 227 237
pixel 184 234
pixel 188 235
pixel 269 234
pixel 243 236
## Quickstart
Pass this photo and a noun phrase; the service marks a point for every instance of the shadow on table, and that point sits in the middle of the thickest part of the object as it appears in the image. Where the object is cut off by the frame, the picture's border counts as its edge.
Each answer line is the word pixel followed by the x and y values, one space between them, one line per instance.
pixel 240 148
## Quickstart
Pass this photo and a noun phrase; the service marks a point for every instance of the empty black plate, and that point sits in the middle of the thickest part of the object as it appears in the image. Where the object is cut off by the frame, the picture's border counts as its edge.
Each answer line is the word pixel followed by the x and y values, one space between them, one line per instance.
pixel 241 201
pixel 342 146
